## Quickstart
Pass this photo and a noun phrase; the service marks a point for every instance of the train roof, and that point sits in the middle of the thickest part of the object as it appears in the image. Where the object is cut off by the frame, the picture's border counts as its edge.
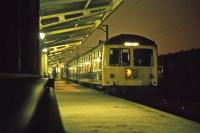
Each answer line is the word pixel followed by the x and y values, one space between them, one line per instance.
pixel 122 38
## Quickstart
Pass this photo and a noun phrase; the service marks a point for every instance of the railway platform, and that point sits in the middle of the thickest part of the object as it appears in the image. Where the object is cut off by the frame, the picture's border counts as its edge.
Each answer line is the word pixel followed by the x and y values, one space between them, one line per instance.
pixel 84 110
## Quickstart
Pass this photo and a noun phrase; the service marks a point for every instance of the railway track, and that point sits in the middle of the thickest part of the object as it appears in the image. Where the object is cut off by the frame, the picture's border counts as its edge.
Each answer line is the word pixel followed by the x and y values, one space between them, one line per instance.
pixel 184 108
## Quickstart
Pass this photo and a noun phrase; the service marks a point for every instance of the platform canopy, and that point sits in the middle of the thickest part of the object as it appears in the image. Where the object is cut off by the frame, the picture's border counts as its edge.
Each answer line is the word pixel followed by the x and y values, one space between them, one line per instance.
pixel 65 24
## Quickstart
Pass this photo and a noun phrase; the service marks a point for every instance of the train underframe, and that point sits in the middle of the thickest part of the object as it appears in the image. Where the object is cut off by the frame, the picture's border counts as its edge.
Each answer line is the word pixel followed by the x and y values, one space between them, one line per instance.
pixel 131 92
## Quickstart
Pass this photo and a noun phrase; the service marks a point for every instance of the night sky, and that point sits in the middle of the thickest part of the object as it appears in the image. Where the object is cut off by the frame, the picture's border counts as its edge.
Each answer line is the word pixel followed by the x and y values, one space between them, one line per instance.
pixel 173 24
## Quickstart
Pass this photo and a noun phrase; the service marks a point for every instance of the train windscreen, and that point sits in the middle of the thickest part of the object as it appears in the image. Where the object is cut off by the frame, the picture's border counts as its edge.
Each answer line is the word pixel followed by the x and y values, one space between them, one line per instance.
pixel 119 57
pixel 143 57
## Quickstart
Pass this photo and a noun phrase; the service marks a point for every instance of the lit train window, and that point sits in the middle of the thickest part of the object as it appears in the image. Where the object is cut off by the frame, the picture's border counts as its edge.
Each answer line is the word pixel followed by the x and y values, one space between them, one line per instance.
pixel 119 57
pixel 143 57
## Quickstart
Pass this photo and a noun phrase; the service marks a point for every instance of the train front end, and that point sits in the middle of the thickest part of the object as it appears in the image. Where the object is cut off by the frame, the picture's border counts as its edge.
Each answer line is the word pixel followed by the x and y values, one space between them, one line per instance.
pixel 130 61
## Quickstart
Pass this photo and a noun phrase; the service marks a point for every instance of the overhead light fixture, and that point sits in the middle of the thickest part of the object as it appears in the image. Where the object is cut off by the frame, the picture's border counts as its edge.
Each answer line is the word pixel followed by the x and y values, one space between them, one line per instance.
pixel 44 50
pixel 49 41
pixel 42 35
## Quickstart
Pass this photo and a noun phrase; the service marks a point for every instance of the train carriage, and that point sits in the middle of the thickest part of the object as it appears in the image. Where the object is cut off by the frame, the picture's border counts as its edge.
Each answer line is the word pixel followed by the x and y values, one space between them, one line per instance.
pixel 122 61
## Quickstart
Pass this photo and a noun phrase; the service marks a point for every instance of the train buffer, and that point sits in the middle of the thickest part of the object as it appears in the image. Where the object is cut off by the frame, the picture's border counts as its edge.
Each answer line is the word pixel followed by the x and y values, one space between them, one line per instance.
pixel 85 110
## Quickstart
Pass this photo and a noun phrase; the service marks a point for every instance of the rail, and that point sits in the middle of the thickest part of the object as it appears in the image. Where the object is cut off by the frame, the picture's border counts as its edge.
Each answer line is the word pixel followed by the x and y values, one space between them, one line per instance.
pixel 20 97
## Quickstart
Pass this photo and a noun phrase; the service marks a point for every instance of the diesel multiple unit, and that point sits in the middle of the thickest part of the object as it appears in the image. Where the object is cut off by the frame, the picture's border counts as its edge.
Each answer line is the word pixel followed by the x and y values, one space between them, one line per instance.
pixel 120 62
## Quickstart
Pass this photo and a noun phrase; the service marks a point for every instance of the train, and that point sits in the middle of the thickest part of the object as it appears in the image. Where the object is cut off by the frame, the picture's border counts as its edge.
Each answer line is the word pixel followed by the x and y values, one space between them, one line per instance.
pixel 125 64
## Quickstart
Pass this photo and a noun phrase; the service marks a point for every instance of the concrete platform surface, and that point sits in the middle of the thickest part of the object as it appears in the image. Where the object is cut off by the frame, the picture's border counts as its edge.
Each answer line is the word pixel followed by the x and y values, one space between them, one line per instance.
pixel 85 110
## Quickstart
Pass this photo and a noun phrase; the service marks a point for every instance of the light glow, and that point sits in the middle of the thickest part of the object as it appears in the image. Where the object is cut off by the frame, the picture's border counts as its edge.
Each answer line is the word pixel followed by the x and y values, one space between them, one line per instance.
pixel 131 44
pixel 44 50
pixel 42 35
pixel 128 73
pixel 98 59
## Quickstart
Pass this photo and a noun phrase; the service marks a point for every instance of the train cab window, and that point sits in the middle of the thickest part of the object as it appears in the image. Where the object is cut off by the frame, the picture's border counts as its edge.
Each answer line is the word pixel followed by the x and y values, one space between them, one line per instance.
pixel 143 57
pixel 125 57
pixel 114 57
pixel 119 57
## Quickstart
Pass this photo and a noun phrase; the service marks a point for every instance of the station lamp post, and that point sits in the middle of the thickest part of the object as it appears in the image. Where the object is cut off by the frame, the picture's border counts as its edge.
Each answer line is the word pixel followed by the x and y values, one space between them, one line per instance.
pixel 105 29
pixel 43 56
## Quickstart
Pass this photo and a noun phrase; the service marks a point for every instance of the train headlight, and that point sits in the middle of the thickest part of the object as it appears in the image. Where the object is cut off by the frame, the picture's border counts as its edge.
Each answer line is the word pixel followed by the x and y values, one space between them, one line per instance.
pixel 154 83
pixel 128 73
pixel 112 75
